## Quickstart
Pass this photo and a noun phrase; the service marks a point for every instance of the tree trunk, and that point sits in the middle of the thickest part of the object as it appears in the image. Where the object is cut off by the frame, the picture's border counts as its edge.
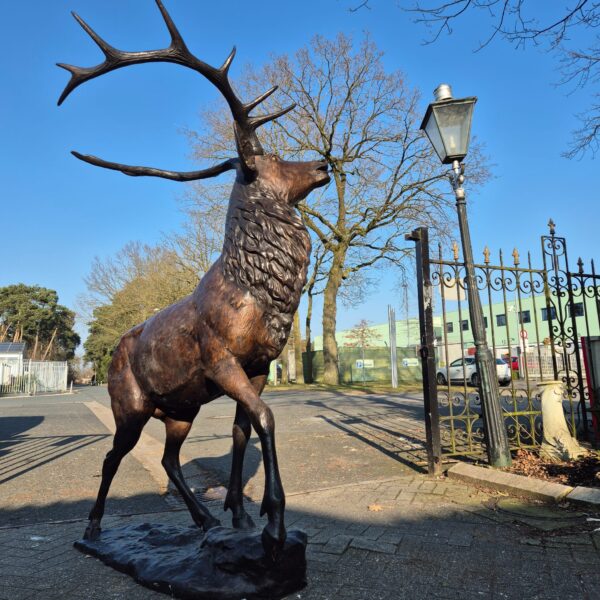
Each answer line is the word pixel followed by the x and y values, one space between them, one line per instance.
pixel 309 361
pixel 50 344
pixel 331 374
pixel 4 331
pixel 35 346
pixel 298 349
pixel 283 357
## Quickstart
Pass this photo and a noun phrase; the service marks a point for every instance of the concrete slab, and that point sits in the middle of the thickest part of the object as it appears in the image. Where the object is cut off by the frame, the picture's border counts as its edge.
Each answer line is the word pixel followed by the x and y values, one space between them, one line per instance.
pixel 586 496
pixel 540 516
pixel 517 485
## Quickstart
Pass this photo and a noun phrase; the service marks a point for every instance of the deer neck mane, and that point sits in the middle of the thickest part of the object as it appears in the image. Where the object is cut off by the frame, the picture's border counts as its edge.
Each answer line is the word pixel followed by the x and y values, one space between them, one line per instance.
pixel 266 253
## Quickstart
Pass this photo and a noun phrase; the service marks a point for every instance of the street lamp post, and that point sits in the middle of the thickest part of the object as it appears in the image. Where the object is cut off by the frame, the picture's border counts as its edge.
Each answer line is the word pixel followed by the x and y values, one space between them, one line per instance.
pixel 447 124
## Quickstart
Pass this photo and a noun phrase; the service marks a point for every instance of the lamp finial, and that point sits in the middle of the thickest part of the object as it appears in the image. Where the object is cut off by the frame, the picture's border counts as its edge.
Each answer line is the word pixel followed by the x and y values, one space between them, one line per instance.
pixel 442 92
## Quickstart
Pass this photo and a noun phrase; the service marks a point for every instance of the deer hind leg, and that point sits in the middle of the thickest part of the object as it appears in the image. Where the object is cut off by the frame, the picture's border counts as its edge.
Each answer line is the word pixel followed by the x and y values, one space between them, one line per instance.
pixel 126 437
pixel 177 431
pixel 232 379
pixel 235 499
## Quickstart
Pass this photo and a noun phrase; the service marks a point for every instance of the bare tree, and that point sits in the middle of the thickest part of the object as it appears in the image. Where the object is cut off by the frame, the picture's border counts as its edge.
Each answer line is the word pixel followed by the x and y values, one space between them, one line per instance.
pixel 365 122
pixel 186 254
pixel 553 28
pixel 362 335
pixel 127 289
pixel 200 239
pixel 139 280
pixel 151 271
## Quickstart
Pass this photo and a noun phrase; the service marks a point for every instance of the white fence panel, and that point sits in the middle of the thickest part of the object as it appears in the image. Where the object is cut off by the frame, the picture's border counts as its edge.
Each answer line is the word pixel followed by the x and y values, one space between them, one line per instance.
pixel 35 377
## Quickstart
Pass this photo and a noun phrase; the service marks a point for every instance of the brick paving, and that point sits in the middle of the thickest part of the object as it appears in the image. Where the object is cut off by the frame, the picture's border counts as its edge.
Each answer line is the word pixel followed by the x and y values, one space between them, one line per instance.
pixel 410 537
pixel 404 535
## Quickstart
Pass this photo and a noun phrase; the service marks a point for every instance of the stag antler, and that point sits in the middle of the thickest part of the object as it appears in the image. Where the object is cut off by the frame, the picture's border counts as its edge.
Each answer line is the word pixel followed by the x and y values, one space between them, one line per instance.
pixel 177 52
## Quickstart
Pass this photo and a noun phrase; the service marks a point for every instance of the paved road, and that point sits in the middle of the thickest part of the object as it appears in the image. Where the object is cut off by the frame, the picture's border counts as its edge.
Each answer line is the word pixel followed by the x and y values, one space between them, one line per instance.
pixel 51 453
pixel 53 446
pixel 378 529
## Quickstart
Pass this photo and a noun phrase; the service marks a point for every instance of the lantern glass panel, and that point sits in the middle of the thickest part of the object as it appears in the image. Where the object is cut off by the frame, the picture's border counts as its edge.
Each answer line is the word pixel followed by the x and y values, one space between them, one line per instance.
pixel 433 133
pixel 454 122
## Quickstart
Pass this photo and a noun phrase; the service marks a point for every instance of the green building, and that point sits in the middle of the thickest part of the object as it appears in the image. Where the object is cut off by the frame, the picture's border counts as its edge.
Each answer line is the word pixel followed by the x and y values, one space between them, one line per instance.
pixel 517 328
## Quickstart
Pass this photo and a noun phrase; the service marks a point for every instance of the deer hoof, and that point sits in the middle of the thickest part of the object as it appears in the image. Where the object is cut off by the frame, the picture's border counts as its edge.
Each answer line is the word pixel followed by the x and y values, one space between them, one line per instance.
pixel 92 531
pixel 243 522
pixel 273 539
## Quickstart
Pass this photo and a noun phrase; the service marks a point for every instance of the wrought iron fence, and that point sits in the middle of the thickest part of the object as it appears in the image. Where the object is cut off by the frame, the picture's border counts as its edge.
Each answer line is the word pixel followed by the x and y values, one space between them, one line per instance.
pixel 534 319
pixel 505 289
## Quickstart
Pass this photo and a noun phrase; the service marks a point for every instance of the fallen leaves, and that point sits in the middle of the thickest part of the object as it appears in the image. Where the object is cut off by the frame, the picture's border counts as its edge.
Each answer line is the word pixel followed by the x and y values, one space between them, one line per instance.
pixel 375 508
pixel 583 471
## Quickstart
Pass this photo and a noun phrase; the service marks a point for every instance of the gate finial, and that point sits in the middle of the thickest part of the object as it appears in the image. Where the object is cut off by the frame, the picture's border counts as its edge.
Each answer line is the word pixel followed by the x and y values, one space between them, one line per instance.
pixel 515 254
pixel 486 255
pixel 455 250
pixel 552 227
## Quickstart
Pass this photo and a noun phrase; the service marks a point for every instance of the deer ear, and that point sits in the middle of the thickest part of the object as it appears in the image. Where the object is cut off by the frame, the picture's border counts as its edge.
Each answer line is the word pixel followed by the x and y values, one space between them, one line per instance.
pixel 246 152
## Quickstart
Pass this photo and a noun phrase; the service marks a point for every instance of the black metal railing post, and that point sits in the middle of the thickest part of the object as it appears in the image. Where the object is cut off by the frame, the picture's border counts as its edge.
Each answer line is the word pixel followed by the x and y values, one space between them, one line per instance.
pixel 430 400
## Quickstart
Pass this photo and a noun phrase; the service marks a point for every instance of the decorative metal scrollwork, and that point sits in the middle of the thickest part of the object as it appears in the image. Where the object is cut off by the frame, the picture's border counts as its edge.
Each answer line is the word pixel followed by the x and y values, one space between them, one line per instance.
pixel 558 306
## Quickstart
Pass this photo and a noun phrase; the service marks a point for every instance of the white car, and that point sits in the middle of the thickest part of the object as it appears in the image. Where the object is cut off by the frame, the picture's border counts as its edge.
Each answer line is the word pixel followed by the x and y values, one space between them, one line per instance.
pixel 465 368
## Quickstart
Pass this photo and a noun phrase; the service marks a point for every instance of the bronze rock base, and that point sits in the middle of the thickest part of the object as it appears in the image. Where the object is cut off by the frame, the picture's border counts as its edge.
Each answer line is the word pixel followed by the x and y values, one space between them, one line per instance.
pixel 186 563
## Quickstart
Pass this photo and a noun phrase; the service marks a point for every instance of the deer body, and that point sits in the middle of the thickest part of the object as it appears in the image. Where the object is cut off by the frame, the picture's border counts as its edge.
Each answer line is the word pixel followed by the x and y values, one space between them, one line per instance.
pixel 242 308
pixel 221 339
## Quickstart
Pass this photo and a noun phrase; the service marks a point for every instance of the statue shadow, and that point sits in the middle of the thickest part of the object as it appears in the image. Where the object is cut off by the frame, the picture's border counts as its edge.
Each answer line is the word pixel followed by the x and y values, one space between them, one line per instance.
pixel 204 474
pixel 22 451
pixel 13 428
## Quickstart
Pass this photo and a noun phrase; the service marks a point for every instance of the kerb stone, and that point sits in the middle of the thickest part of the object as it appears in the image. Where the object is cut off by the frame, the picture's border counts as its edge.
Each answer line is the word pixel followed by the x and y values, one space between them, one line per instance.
pixel 585 495
pixel 517 485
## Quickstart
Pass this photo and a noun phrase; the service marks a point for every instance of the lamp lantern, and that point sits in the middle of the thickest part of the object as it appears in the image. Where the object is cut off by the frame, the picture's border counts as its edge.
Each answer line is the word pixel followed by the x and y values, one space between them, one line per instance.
pixel 447 124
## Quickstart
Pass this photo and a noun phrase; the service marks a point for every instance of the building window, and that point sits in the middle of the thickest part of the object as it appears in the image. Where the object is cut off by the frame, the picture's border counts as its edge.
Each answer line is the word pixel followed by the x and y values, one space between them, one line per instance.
pixel 545 313
pixel 449 327
pixel 501 320
pixel 524 316
pixel 464 324
pixel 577 310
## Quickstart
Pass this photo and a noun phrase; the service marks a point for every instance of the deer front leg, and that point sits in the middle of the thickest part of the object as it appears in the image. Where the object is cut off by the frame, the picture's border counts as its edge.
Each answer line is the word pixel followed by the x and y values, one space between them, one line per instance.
pixel 229 375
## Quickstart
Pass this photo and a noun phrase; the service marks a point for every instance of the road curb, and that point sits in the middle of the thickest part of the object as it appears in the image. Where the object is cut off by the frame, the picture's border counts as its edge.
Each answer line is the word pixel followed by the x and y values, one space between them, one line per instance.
pixel 47 395
pixel 527 487
pixel 585 496
pixel 518 485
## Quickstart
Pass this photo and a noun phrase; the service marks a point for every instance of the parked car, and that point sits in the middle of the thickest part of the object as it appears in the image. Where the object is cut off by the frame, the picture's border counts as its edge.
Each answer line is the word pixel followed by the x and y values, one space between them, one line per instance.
pixel 513 361
pixel 465 369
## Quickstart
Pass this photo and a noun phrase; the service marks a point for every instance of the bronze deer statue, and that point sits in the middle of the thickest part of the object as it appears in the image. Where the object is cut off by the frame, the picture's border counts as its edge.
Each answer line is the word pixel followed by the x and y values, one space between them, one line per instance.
pixel 221 339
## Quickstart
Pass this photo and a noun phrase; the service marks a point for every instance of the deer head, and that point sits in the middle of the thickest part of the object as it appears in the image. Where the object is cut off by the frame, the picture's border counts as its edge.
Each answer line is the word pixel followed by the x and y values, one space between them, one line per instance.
pixel 289 181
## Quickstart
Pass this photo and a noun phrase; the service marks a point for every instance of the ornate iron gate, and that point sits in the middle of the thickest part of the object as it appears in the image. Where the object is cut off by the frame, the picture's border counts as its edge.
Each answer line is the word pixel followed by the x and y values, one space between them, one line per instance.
pixel 574 302
pixel 534 318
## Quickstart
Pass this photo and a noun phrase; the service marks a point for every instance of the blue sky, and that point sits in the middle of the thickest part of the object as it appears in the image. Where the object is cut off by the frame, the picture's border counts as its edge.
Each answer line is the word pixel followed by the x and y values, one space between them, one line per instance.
pixel 58 213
